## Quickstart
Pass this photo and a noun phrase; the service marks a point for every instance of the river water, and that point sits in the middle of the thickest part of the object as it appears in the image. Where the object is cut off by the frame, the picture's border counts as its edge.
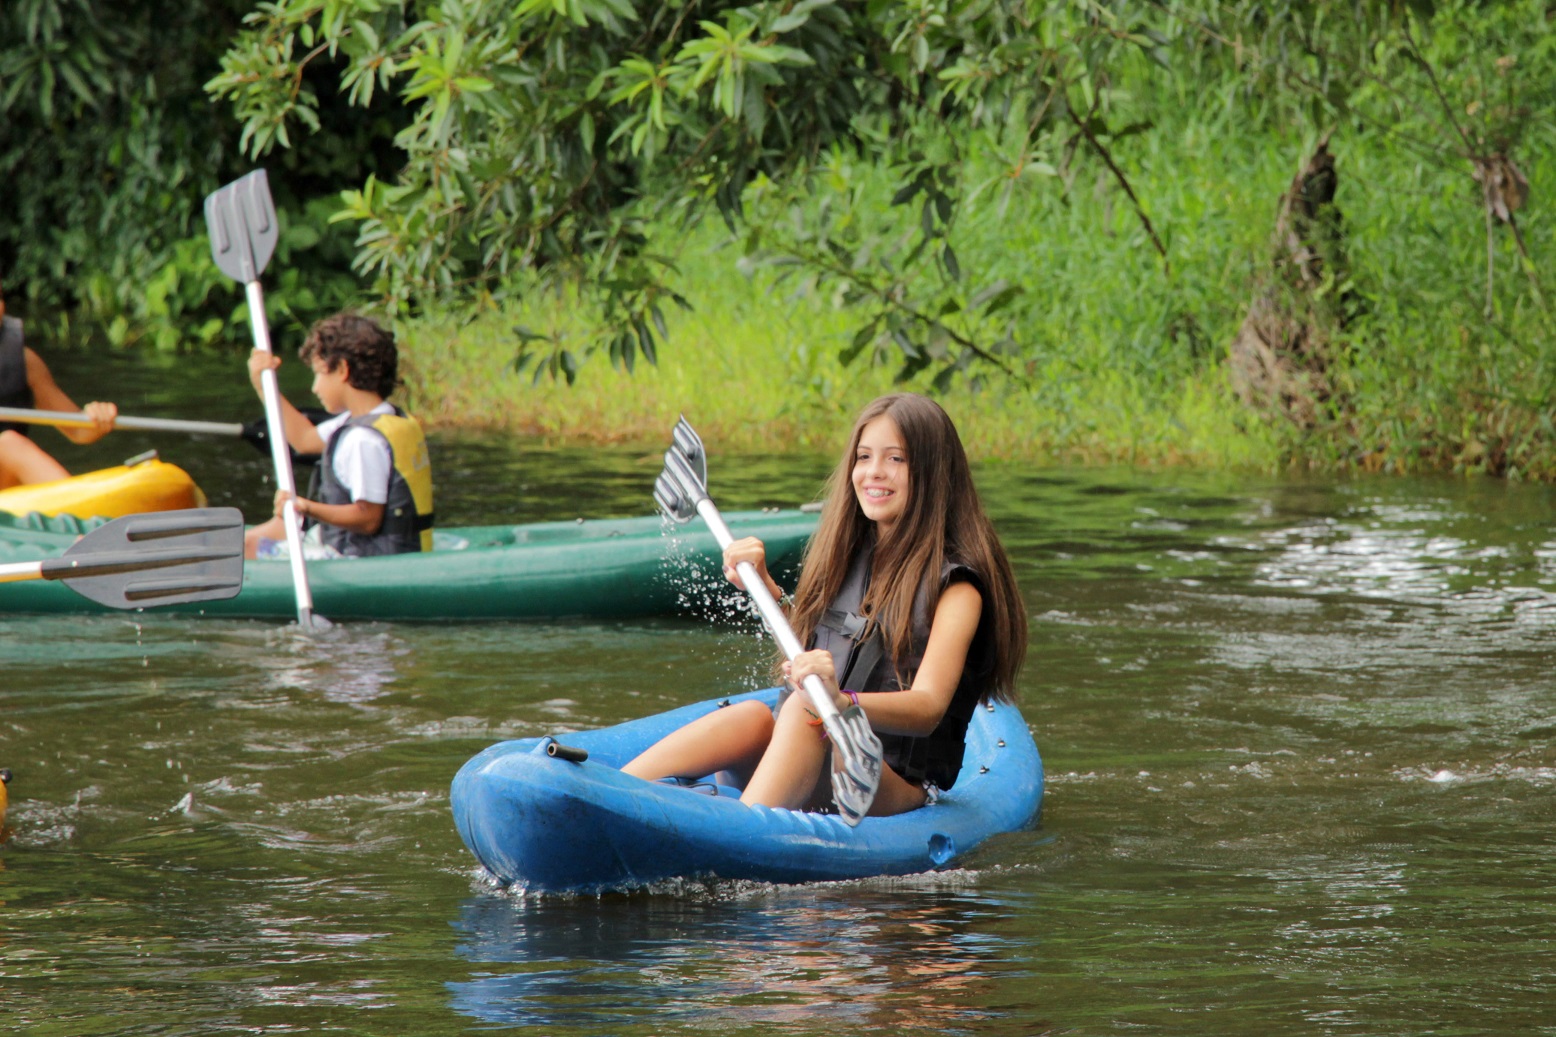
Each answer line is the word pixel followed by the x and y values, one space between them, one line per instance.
pixel 1297 732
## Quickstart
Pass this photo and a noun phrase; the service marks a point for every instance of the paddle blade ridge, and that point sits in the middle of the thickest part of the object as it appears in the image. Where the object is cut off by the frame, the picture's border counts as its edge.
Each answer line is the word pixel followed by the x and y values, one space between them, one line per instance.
pixel 857 758
pixel 685 439
pixel 241 219
pixel 165 558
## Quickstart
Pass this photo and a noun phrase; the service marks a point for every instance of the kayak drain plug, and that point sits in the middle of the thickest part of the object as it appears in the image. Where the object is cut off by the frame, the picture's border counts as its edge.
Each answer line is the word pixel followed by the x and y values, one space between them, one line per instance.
pixel 566 752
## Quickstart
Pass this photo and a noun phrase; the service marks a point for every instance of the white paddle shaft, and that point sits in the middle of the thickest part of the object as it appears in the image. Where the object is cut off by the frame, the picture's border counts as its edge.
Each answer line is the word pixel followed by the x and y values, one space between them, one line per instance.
pixel 279 455
pixel 771 612
pixel 74 419
pixel 13 572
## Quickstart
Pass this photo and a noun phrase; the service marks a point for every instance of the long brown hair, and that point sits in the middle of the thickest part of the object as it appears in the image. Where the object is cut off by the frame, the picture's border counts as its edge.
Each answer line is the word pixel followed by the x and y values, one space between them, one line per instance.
pixel 943 520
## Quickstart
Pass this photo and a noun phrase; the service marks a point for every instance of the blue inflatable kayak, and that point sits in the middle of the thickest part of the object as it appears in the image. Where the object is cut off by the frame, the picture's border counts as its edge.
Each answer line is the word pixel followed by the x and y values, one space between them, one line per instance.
pixel 545 823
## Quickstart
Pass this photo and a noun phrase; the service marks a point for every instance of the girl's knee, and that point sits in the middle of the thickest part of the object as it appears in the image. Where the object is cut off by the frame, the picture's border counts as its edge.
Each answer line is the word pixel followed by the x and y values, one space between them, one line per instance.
pixel 15 447
pixel 752 718
pixel 24 462
pixel 797 710
pixel 739 724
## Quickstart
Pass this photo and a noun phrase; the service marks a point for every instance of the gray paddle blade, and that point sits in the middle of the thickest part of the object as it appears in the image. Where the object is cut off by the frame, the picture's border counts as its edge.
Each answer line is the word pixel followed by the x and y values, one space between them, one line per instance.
pixel 160 558
pixel 308 619
pixel 685 439
pixel 679 488
pixel 671 500
pixel 242 223
pixel 857 759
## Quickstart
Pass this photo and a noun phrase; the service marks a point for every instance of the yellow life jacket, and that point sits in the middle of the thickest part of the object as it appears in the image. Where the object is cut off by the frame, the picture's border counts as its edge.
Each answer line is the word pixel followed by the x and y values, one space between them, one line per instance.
pixel 407 524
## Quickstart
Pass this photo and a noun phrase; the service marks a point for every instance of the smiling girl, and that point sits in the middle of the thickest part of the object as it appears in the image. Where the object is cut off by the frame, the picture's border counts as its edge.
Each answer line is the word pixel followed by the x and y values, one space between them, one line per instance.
pixel 908 606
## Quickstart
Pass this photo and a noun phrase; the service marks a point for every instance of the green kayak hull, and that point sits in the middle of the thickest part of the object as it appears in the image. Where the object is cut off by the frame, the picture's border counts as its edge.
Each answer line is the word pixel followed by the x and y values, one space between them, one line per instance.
pixel 546 570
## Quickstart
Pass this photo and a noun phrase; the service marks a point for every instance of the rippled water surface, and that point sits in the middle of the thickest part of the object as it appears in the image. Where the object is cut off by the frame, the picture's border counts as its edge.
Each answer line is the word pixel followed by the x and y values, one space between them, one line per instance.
pixel 1298 738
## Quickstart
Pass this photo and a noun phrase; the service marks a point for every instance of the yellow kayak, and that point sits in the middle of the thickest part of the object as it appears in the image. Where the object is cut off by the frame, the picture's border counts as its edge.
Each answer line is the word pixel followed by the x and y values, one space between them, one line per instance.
pixel 5 776
pixel 128 489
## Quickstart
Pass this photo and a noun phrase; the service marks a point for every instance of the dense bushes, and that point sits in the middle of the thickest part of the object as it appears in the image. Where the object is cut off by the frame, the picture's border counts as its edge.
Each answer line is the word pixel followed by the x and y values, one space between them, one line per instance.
pixel 110 144
pixel 1064 204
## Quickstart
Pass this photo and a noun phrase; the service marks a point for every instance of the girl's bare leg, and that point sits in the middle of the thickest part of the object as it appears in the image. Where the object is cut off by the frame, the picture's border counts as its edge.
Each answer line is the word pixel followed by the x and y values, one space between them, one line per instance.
pixel 732 739
pixel 896 795
pixel 791 767
pixel 783 759
pixel 23 462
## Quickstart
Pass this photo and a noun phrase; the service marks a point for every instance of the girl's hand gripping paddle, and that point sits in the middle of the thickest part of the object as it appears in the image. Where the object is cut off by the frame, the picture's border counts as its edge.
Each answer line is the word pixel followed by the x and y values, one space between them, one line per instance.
pixel 242 224
pixel 681 492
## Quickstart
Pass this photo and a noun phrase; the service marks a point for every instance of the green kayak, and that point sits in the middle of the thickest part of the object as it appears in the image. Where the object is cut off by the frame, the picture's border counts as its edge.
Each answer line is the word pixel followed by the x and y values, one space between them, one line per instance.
pixel 544 570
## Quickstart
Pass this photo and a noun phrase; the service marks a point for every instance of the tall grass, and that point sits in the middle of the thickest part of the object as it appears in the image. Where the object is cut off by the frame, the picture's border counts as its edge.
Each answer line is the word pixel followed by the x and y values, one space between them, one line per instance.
pixel 759 370
pixel 757 365
pixel 1125 361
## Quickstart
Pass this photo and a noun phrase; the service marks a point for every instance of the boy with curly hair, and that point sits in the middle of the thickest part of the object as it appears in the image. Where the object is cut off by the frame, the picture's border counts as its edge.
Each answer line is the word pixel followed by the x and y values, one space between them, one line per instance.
pixel 371 492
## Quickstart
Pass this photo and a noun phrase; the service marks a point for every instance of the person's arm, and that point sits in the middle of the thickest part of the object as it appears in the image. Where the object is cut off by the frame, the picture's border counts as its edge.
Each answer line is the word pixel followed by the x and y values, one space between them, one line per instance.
pixel 47 395
pixel 918 710
pixel 363 464
pixel 302 435
pixel 358 517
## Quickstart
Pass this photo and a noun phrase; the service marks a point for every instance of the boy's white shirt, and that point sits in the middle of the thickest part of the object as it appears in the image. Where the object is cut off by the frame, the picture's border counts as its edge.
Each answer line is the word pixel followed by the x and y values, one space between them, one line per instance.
pixel 363 461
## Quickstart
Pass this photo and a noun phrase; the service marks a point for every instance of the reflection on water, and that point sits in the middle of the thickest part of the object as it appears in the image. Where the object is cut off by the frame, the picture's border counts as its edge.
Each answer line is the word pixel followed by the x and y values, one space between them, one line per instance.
pixel 345 663
pixel 916 956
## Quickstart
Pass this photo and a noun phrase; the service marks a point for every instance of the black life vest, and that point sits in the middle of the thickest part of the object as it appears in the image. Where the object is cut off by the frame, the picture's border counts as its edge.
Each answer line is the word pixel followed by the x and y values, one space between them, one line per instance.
pixel 860 660
pixel 407 525
pixel 14 390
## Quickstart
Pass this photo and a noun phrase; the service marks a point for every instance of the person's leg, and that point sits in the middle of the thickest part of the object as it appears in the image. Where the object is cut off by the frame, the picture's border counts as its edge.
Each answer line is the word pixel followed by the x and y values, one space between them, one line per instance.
pixel 270 529
pixel 796 762
pixel 731 739
pixel 896 795
pixel 792 765
pixel 23 462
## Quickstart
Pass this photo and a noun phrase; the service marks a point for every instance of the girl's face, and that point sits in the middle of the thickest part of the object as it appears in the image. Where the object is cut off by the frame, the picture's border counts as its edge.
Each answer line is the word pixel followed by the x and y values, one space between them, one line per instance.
pixel 880 476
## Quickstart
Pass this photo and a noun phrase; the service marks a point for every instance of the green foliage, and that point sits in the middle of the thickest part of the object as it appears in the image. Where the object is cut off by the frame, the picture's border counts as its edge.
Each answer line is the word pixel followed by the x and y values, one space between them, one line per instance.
pixel 105 138
pixel 1446 113
pixel 187 301
pixel 111 145
pixel 1063 201
pixel 545 136
pixel 1114 359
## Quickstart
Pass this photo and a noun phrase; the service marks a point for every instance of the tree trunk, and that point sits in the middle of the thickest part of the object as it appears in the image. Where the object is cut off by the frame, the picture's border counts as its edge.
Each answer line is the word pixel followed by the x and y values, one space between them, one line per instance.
pixel 1281 358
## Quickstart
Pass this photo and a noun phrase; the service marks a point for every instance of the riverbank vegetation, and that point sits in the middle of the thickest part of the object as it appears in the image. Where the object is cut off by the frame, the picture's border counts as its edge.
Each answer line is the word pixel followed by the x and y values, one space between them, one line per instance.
pixel 1214 234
